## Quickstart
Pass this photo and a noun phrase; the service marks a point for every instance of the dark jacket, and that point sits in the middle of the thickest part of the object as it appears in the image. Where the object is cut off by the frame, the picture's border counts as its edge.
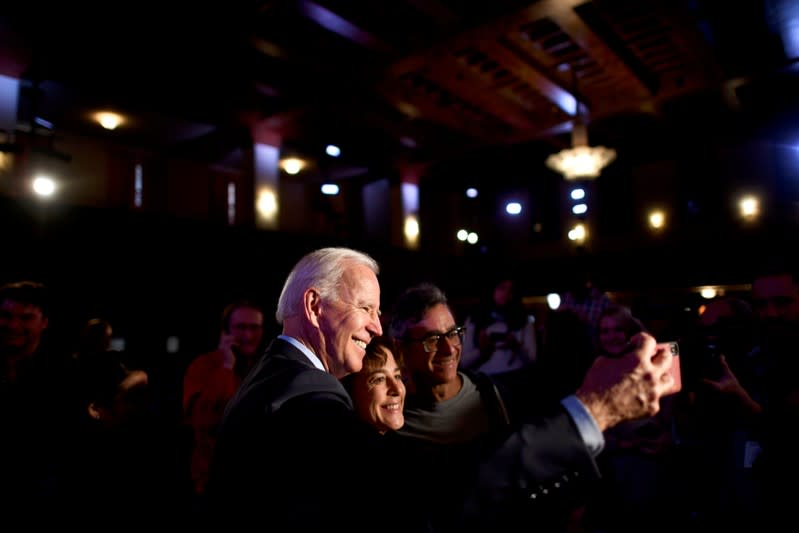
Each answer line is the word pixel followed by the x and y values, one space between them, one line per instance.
pixel 526 473
pixel 291 454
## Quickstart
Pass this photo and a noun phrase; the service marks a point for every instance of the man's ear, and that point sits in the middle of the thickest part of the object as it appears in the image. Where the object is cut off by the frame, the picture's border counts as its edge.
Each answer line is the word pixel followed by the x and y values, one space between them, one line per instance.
pixel 312 305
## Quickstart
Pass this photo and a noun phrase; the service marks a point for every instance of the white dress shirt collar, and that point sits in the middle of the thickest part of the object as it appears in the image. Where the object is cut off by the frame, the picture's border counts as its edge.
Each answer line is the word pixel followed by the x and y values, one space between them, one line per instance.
pixel 304 349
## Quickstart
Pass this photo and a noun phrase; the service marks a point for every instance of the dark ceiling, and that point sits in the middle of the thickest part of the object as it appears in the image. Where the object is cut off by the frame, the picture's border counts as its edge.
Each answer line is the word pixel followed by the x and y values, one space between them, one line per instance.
pixel 445 83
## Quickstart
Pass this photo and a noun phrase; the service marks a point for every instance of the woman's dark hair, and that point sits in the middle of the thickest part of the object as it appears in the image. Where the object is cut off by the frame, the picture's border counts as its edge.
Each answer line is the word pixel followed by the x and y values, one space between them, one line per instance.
pixel 375 357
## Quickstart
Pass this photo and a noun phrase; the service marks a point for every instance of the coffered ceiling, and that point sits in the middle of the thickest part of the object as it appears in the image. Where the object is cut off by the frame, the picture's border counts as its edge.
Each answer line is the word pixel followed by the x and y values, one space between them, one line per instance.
pixel 438 84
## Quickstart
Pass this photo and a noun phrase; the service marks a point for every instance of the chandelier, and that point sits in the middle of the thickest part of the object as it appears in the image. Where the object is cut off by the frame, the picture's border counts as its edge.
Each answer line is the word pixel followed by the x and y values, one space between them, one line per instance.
pixel 581 161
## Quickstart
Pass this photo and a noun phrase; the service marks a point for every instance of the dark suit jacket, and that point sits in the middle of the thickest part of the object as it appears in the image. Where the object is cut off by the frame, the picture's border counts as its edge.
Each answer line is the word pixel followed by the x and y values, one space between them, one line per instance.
pixel 526 474
pixel 288 442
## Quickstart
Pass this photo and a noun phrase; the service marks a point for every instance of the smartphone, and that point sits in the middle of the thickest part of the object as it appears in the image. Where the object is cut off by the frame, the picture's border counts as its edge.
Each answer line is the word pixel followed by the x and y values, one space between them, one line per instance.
pixel 674 369
pixel 710 360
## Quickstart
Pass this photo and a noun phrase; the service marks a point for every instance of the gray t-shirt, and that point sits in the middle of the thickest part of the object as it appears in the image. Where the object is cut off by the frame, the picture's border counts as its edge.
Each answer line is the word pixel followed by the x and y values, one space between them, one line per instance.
pixel 462 418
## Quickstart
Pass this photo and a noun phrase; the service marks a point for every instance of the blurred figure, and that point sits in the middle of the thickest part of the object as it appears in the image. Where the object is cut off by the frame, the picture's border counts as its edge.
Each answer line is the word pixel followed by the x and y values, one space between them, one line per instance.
pixel 566 352
pixel 212 378
pixel 24 317
pixel 775 299
pixel 725 335
pixel 95 337
pixel 636 462
pixel 585 298
pixel 500 334
pixel 717 415
pixel 127 460
pixel 34 402
pixel 616 326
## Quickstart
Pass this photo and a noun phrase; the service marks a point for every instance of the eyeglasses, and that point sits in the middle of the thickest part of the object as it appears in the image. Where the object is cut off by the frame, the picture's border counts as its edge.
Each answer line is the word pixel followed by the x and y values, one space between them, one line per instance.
pixel 431 342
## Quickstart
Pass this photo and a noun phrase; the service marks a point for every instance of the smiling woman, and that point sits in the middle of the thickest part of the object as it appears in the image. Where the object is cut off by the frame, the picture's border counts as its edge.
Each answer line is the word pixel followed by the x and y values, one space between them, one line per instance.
pixel 378 390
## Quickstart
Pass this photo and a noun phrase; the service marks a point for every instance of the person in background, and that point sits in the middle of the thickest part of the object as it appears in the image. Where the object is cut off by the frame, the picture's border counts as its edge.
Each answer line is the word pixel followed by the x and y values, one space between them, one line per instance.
pixel 717 418
pixel 586 298
pixel 566 351
pixel 211 379
pixel 616 326
pixel 636 463
pixel 500 334
pixel 95 337
pixel 35 411
pixel 24 318
pixel 487 454
pixel 127 460
pixel 775 363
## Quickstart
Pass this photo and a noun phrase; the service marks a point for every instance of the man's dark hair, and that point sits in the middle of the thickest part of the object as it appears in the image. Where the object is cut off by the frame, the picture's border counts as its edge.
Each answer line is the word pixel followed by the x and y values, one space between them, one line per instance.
pixel 411 306
pixel 227 312
pixel 27 292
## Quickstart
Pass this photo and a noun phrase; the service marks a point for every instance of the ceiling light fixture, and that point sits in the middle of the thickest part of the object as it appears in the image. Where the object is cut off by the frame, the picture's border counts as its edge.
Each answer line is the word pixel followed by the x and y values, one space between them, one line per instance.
pixel 581 161
pixel 109 120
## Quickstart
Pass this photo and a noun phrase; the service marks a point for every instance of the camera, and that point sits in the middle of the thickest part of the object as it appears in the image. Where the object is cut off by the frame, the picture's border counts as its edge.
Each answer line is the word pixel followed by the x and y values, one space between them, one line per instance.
pixel 710 367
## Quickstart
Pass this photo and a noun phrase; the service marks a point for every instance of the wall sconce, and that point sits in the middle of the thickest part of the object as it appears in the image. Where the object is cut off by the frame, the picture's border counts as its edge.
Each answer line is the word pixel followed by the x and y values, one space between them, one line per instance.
pixel 292 165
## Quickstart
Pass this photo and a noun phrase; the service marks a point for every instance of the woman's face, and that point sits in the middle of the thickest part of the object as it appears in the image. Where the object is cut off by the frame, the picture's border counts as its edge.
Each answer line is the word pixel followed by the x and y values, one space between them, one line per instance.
pixel 613 336
pixel 379 393
pixel 503 293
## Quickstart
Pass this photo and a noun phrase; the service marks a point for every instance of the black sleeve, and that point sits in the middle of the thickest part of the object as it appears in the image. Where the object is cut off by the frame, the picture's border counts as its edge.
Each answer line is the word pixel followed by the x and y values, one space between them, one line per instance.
pixel 540 469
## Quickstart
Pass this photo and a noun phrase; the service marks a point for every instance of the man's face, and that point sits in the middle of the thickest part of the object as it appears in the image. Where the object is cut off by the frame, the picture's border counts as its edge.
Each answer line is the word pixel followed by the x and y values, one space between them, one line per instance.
pixel 247 326
pixel 349 320
pixel 776 299
pixel 440 366
pixel 21 327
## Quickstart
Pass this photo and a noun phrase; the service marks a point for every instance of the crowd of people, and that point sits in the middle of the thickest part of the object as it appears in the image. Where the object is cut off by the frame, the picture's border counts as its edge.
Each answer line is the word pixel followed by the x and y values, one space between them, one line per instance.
pixel 411 418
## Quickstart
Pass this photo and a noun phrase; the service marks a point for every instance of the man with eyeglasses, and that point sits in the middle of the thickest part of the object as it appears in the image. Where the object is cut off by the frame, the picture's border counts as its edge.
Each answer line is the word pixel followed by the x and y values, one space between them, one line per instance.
pixel 213 377
pixel 483 456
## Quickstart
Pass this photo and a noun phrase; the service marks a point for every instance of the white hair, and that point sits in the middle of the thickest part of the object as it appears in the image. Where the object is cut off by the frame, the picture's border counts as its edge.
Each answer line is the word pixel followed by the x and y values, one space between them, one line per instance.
pixel 321 269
